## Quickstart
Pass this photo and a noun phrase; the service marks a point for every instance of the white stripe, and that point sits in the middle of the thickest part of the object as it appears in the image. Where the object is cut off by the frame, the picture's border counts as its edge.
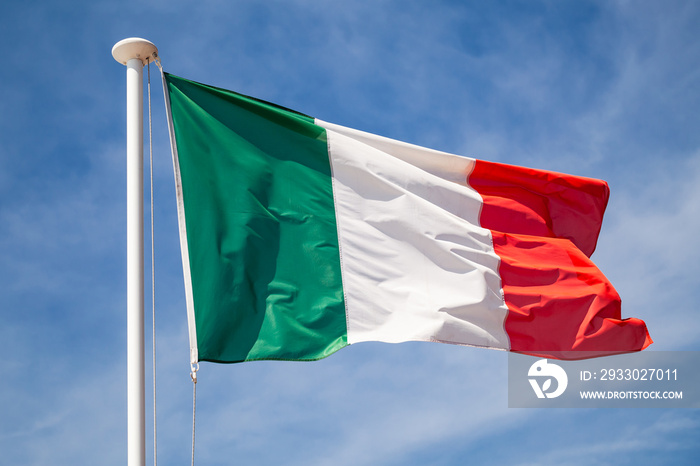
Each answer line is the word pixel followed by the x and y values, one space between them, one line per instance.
pixel 416 264
pixel 189 299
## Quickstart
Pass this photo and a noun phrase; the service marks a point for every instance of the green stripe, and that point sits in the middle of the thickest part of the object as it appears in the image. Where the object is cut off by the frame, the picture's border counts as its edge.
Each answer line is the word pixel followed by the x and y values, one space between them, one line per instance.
pixel 261 227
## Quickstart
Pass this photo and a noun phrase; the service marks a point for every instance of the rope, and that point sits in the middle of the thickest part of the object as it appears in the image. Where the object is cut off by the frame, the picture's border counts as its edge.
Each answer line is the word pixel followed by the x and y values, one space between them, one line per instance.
pixel 194 367
pixel 193 375
pixel 153 270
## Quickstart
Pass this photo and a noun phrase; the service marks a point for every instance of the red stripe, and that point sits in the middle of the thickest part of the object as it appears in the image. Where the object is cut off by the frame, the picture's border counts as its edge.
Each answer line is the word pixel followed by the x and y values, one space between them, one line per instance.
pixel 542 203
pixel 559 301
pixel 544 227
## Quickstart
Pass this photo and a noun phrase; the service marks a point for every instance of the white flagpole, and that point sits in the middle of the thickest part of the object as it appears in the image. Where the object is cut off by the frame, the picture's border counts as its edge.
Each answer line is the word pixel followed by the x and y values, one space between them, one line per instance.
pixel 135 53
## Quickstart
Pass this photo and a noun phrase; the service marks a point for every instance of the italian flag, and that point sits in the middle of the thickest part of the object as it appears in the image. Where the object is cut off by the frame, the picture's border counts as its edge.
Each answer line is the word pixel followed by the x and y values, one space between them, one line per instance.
pixel 300 237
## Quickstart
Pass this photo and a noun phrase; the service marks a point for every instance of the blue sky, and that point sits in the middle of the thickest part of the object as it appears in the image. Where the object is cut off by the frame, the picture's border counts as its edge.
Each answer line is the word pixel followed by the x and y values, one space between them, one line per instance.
pixel 606 89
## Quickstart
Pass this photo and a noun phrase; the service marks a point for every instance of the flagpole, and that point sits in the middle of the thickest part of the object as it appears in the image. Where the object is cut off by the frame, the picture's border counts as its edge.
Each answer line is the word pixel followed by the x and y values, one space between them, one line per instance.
pixel 135 53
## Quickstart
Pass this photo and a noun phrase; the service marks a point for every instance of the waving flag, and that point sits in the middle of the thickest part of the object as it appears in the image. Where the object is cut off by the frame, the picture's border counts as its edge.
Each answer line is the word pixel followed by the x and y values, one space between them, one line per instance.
pixel 300 237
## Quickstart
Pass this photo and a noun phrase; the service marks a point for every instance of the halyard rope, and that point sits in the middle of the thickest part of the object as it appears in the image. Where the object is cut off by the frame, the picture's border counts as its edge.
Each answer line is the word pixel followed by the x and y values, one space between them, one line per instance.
pixel 153 269
pixel 194 367
pixel 193 375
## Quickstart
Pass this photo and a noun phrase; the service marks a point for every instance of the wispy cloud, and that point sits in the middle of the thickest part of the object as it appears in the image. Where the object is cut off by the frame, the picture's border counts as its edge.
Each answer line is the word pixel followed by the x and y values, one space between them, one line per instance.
pixel 662 439
pixel 597 88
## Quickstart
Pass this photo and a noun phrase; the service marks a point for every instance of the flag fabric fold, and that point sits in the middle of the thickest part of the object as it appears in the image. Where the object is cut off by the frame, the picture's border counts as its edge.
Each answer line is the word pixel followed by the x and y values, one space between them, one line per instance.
pixel 300 237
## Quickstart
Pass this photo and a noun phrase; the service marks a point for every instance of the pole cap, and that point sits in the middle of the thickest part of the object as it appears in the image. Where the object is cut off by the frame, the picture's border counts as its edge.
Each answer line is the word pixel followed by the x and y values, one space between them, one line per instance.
pixel 134 47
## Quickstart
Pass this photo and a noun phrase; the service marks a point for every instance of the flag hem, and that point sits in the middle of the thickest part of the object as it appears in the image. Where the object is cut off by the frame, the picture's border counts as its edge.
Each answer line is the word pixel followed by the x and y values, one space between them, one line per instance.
pixel 184 248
